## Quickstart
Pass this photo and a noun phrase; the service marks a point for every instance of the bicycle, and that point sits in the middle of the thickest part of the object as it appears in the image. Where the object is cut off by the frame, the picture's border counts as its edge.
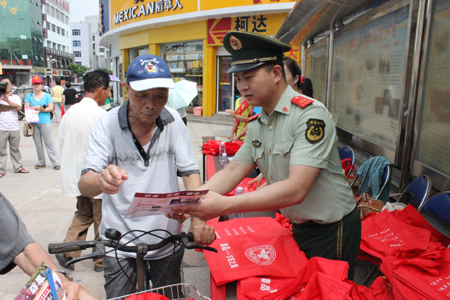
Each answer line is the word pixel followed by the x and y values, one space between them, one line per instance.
pixel 179 291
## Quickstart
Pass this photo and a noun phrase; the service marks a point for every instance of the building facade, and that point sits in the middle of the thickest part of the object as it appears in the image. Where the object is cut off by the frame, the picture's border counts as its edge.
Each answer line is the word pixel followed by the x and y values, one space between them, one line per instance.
pixel 82 44
pixel 57 40
pixel 188 34
pixel 21 40
pixel 100 54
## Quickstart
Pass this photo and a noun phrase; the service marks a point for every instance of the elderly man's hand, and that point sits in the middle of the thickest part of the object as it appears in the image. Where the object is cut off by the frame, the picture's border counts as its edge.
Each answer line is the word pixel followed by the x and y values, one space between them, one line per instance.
pixel 75 291
pixel 203 234
pixel 111 179
pixel 178 217
pixel 211 206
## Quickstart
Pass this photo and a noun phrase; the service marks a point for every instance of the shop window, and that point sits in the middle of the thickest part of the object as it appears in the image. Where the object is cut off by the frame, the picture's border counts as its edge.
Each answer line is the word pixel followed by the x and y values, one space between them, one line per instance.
pixel 133 53
pixel 185 60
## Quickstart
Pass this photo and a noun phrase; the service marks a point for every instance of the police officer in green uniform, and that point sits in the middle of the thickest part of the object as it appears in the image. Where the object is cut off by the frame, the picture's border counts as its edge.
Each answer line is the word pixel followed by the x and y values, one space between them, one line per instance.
pixel 293 142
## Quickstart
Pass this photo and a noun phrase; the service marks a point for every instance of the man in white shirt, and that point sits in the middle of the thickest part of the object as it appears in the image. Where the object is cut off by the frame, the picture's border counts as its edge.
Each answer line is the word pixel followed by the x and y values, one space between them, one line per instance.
pixel 73 141
pixel 9 131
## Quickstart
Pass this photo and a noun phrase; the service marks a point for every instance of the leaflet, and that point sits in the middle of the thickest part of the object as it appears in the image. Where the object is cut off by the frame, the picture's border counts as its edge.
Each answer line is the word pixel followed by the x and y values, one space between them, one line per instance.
pixel 148 204
pixel 43 286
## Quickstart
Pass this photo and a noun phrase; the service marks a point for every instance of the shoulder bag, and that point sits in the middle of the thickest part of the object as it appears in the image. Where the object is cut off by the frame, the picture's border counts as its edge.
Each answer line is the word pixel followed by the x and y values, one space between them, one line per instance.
pixel 366 204
pixel 28 128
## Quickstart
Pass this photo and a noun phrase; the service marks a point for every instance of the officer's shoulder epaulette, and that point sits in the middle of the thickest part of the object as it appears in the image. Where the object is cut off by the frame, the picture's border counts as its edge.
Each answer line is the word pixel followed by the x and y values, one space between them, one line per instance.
pixel 302 101
pixel 252 118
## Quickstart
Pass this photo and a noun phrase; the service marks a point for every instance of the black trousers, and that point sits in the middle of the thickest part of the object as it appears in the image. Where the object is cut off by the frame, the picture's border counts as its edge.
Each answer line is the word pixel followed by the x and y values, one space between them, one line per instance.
pixel 338 241
pixel 164 271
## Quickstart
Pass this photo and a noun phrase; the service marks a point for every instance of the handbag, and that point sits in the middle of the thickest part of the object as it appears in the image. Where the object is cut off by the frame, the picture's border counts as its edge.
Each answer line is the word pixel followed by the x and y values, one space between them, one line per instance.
pixel 28 128
pixel 366 204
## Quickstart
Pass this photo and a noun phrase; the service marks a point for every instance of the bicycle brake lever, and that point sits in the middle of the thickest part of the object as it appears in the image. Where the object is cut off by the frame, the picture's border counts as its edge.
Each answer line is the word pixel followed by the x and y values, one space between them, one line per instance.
pixel 206 248
pixel 188 244
pixel 99 253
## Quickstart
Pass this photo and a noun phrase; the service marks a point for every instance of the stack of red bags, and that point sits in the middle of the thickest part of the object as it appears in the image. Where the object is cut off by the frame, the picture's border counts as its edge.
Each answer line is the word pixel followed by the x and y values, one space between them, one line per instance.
pixel 262 256
pixel 212 147
pixel 410 251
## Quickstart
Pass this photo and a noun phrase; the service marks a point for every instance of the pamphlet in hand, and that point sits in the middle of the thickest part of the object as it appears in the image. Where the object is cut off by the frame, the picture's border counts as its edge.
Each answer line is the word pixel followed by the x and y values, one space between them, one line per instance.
pixel 31 115
pixel 43 285
pixel 147 204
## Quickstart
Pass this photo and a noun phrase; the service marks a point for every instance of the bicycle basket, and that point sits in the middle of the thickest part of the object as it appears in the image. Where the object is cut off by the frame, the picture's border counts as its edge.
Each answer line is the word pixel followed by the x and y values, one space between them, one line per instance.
pixel 181 291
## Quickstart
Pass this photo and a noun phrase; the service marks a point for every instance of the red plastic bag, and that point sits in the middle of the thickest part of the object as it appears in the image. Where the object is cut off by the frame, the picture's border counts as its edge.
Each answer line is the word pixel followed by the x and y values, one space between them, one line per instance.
pixel 348 167
pixel 253 247
pixel 424 277
pixel 322 286
pixel 381 289
pixel 147 296
pixel 412 216
pixel 212 147
pixel 383 235
pixel 275 288
pixel 217 292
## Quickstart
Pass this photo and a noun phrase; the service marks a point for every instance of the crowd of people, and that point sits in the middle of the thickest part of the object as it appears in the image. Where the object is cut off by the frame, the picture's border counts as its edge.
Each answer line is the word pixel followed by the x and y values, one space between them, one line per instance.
pixel 144 146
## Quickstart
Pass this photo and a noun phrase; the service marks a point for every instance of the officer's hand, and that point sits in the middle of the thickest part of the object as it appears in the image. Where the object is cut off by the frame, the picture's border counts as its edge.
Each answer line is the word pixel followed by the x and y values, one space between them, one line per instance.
pixel 211 206
pixel 203 234
pixel 111 179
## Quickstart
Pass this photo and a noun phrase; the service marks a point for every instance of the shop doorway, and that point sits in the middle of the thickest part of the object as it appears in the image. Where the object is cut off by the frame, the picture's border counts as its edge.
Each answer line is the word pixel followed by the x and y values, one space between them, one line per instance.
pixel 226 91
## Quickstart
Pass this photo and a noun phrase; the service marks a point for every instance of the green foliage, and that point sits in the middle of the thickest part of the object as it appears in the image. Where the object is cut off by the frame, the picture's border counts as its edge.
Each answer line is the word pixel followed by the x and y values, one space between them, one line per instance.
pixel 110 72
pixel 78 70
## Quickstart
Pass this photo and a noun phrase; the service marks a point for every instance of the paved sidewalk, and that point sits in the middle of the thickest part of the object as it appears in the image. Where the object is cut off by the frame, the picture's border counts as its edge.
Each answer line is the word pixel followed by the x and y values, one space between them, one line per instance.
pixel 47 214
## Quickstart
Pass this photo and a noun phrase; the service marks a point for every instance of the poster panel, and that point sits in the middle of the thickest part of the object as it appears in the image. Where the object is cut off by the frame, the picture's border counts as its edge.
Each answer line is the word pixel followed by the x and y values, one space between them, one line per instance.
pixel 369 78
pixel 434 124
pixel 316 69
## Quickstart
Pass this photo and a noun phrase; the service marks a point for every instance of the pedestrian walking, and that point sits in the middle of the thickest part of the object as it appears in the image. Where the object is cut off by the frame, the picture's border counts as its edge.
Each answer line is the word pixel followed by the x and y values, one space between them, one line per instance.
pixel 73 141
pixel 10 131
pixel 57 93
pixel 69 97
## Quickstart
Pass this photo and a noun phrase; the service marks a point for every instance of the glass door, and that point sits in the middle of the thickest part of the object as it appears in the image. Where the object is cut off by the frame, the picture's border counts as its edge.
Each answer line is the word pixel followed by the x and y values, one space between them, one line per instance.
pixel 225 85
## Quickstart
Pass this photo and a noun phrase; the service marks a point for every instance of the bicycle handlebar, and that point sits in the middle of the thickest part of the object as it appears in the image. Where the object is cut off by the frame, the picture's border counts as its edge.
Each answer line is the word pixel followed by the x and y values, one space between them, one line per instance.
pixel 185 239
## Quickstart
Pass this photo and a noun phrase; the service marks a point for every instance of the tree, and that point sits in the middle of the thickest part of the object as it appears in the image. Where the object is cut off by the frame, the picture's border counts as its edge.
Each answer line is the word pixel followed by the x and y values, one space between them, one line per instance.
pixel 110 72
pixel 78 70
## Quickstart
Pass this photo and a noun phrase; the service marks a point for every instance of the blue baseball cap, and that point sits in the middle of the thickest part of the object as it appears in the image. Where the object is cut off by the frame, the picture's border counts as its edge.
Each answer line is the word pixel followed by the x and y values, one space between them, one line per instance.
pixel 149 72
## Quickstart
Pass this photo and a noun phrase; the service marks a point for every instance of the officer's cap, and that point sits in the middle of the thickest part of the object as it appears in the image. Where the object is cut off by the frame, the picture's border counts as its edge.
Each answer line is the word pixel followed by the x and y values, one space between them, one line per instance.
pixel 250 50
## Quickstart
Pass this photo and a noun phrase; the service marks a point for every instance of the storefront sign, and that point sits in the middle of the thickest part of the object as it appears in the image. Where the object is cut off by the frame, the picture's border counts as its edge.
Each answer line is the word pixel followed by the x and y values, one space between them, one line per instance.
pixel 208 4
pixel 127 12
pixel 263 24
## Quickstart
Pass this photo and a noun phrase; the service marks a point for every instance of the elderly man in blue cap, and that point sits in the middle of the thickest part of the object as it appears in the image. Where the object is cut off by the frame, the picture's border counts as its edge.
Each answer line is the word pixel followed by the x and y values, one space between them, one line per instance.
pixel 141 146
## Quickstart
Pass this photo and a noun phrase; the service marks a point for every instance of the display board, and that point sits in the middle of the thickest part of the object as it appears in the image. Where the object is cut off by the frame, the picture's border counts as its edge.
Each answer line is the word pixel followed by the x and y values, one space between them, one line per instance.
pixel 368 78
pixel 316 68
pixel 433 147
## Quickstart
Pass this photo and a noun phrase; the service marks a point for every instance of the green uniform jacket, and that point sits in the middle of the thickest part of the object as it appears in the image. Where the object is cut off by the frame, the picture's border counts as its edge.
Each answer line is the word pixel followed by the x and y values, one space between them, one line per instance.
pixel 292 135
